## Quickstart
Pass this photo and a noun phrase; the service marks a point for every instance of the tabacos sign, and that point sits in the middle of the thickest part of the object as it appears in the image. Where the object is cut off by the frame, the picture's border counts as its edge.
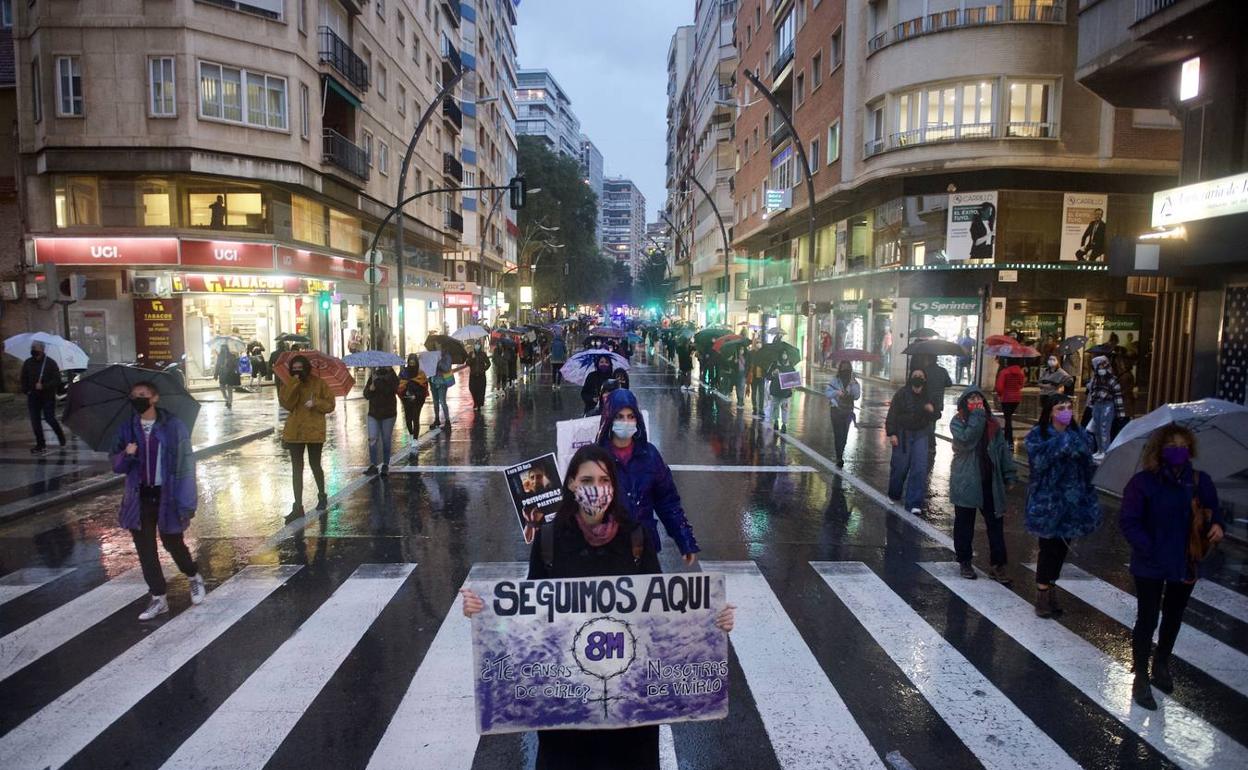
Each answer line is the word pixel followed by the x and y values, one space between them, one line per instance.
pixel 106 251
pixel 945 305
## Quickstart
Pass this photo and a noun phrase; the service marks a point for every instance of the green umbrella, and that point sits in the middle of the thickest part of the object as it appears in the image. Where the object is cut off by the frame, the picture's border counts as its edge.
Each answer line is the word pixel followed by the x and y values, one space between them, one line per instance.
pixel 770 353
pixel 705 338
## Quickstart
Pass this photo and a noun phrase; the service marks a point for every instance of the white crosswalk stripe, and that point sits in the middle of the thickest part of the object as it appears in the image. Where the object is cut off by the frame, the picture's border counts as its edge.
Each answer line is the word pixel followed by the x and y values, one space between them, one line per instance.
pixel 61 729
pixel 1224 663
pixel 988 723
pixel 23 581
pixel 43 635
pixel 1222 599
pixel 435 724
pixel 809 725
pixel 1176 732
pixel 245 730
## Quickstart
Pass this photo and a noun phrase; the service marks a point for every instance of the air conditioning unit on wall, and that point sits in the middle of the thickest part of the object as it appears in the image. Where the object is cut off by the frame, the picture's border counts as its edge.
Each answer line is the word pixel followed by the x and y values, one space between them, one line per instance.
pixel 150 285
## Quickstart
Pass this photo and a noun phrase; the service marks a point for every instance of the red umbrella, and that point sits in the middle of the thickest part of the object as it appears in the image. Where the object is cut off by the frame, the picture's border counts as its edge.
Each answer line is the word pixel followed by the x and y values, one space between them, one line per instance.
pixel 729 340
pixel 852 354
pixel 1004 346
pixel 335 373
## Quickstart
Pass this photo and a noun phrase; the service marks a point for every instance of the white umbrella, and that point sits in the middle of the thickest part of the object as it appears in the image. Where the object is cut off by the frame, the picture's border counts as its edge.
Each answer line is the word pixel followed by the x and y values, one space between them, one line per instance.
pixel 1221 429
pixel 469 333
pixel 579 365
pixel 66 354
pixel 372 358
pixel 429 362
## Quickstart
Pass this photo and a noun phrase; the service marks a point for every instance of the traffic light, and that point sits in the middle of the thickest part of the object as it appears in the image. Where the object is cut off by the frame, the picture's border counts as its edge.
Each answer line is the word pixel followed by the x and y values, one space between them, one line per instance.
pixel 325 301
pixel 518 191
pixel 40 280
pixel 73 288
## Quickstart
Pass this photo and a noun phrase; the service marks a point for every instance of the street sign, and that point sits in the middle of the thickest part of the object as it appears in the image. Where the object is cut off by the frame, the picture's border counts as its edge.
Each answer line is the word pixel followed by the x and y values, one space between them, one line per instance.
pixel 372 275
pixel 518 192
pixel 373 257
pixel 1007 276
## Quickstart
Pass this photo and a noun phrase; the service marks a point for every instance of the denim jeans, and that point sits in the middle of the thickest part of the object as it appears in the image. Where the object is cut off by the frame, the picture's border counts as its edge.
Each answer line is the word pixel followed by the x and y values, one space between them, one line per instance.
pixel 380 432
pixel 908 469
pixel 772 404
pixel 1103 421
pixel 439 403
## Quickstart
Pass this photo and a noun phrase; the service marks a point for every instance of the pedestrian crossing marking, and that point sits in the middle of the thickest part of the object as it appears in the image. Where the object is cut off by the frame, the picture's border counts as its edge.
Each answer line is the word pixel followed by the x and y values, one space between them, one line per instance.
pixel 251 724
pixel 1222 599
pixel 23 581
pixel 1173 730
pixel 809 725
pixel 64 727
pixel 435 725
pixel 44 634
pixel 987 722
pixel 1224 663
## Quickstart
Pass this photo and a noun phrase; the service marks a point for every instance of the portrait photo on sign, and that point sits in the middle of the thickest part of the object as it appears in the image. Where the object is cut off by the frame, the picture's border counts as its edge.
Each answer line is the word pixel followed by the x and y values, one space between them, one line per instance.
pixel 536 492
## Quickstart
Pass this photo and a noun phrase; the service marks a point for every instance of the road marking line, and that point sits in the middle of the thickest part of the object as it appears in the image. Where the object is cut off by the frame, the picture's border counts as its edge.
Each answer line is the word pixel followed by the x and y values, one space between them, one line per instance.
pixel 44 634
pixel 436 723
pixel 64 727
pixel 896 761
pixel 1222 599
pixel 251 724
pixel 991 726
pixel 1173 730
pixel 1224 663
pixel 808 723
pixel 667 749
pixel 23 581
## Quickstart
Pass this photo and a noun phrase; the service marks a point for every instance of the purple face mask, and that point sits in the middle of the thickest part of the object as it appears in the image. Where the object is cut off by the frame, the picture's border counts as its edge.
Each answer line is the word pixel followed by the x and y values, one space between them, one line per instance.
pixel 1175 455
pixel 1064 418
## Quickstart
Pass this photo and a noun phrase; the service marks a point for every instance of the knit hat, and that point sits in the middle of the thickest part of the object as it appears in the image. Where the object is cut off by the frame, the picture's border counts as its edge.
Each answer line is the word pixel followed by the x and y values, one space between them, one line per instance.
pixel 1100 361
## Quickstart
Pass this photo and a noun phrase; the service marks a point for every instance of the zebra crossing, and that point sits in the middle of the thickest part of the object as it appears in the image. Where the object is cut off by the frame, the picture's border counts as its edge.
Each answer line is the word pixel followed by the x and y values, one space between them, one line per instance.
pixel 808 719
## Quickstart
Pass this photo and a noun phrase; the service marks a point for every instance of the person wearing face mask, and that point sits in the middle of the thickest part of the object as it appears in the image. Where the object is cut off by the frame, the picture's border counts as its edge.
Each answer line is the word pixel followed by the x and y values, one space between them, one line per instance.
pixel 1010 381
pixel 558 357
pixel 1054 379
pixel 1158 508
pixel 307 399
pixel 650 491
pixel 153 449
pixel 478 365
pixel 910 416
pixel 842 392
pixel 381 391
pixel 593 384
pixel 413 390
pixel 226 374
pixel 40 379
pixel 1061 501
pixel 684 359
pixel 982 471
pixel 593 535
pixel 779 397
pixel 756 375
pixel 1105 401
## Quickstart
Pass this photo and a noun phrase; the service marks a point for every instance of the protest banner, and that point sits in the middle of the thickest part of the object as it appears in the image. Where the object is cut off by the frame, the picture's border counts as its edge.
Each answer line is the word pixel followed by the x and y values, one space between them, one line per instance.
pixel 790 380
pixel 601 652
pixel 571 435
pixel 535 492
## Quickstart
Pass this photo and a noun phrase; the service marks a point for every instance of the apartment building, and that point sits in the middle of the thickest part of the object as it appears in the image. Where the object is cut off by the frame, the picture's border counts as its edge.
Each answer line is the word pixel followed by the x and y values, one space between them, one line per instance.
pixel 592 173
pixel 623 222
pixel 951 191
pixel 546 111
pixel 214 167
pixel 677 209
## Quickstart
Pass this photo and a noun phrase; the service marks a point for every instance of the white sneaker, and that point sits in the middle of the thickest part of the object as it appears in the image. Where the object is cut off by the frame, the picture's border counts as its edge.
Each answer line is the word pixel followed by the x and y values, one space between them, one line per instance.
pixel 1098 457
pixel 198 592
pixel 159 605
pixel 916 511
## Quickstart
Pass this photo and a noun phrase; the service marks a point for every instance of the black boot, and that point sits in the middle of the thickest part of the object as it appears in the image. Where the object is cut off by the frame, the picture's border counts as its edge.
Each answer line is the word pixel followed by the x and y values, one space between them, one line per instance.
pixel 322 502
pixel 1057 611
pixel 1142 692
pixel 1044 602
pixel 1161 674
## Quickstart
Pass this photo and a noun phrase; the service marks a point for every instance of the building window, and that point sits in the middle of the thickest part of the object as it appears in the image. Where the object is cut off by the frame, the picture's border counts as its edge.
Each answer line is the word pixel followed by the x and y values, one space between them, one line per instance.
pixel 836 50
pixel 816 71
pixel 36 91
pixel 269 9
pixel 216 207
pixel 368 147
pixel 401 98
pixel 381 80
pixel 799 90
pixel 77 200
pixel 875 128
pixel 222 96
pixel 304 112
pixel 162 103
pixel 6 14
pixel 400 23
pixel 1031 110
pixel 813 158
pixel 416 48
pixel 381 9
pixel 69 86
pixel 302 16
pixel 383 158
pixel 944 113
pixel 834 142
pixel 307 221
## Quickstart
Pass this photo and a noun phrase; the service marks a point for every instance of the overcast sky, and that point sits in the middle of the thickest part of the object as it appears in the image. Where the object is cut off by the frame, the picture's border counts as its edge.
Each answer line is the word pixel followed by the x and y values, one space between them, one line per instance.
pixel 610 56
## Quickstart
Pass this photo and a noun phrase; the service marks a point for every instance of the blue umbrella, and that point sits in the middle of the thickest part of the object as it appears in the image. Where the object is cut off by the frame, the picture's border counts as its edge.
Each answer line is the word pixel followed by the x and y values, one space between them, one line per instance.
pixel 579 365
pixel 634 337
pixel 372 358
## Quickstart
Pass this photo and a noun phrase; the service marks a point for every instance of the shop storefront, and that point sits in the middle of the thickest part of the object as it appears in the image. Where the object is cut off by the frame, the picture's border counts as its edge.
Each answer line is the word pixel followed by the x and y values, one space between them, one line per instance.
pixel 1040 324
pixel 952 318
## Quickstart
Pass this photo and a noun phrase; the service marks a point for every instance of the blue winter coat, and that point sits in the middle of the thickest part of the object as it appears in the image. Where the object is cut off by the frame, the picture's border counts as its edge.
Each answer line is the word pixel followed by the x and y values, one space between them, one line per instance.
pixel 178 492
pixel 1061 501
pixel 1155 516
pixel 646 479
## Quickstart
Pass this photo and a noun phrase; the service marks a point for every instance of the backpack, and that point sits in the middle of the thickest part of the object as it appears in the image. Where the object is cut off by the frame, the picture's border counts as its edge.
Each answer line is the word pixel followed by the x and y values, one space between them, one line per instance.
pixel 546 541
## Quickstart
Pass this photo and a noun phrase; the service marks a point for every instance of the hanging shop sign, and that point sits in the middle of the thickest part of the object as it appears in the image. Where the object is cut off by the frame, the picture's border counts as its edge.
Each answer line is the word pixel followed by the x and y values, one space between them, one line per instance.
pixel 1083 227
pixel 159 337
pixel 107 251
pixel 945 305
pixel 253 256
pixel 229 283
pixel 971 229
pixel 1203 200
pixel 457 300
pixel 846 307
pixel 314 263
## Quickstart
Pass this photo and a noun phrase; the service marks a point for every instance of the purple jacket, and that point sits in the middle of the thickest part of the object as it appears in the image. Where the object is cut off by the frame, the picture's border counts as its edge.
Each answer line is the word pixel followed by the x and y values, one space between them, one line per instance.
pixel 1155 516
pixel 178 496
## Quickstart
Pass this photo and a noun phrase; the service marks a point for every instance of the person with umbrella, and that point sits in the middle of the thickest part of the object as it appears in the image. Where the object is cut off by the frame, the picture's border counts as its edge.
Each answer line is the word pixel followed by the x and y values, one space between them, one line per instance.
pixel 739 368
pixel 1054 379
pixel 226 373
pixel 1010 380
pixel 982 471
pixel 755 373
pixel 413 390
pixel 1171 518
pixel 842 392
pixel 40 379
pixel 1105 401
pixel 381 390
pixel 910 416
pixel 500 364
pixel 778 395
pixel 684 358
pixel 153 450
pixel 478 365
pixel 938 382
pixel 1061 501
pixel 593 384
pixel 308 399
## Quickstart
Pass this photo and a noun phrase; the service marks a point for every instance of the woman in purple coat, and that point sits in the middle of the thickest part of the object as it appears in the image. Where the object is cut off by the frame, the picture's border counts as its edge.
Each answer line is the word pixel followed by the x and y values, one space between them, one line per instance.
pixel 153 449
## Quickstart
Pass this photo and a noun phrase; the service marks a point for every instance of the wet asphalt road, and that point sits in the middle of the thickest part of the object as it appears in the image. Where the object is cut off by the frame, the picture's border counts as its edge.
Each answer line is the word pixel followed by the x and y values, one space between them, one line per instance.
pixel 446 521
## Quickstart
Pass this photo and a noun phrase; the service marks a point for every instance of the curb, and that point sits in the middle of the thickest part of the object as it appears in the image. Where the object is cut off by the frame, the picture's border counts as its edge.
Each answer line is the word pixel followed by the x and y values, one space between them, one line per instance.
pixel 19 511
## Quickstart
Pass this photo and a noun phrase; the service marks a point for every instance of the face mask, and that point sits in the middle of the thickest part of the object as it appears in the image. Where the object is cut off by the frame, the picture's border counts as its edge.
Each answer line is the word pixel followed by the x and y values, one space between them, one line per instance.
pixel 917 382
pixel 623 428
pixel 1052 363
pixel 36 354
pixel 973 405
pixel 593 500
pixel 1102 371
pixel 1176 455
pixel 300 373
pixel 1064 417
pixel 141 403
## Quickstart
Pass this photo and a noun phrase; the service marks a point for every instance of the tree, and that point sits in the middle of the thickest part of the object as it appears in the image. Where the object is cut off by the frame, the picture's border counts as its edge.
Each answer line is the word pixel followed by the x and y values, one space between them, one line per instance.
pixel 574 273
pixel 622 284
pixel 652 287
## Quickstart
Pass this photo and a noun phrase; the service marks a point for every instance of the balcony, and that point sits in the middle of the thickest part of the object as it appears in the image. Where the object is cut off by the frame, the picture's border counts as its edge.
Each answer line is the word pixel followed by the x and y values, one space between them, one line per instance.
pixel 873 147
pixel 452 167
pixel 452 114
pixel 453 220
pixel 338 54
pixel 1146 8
pixel 782 61
pixel 452 11
pixel 337 150
pixel 1018 11
pixel 452 63
pixel 780 134
pixel 1031 130
pixel 938 133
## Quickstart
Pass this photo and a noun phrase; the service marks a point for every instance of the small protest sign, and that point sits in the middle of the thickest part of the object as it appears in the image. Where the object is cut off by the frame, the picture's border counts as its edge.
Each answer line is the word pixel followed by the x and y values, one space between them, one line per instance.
pixel 602 652
pixel 790 380
pixel 535 491
pixel 571 435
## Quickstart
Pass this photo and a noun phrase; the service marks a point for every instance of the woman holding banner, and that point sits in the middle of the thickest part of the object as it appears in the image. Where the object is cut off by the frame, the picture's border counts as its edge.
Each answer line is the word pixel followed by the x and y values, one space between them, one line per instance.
pixel 593 535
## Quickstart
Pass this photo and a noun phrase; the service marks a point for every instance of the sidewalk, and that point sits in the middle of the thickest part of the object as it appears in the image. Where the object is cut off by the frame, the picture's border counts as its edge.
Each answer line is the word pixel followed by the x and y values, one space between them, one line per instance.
pixel 33 483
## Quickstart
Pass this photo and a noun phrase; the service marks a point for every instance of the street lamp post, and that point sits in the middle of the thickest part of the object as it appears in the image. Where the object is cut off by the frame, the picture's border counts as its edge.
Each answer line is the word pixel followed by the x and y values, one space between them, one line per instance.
pixel 723 232
pixel 810 210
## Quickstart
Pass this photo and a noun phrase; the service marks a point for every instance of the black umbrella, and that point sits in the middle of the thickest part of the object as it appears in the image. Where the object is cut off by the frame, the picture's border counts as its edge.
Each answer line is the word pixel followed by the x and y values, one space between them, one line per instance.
pixel 924 334
pixel 705 338
pixel 99 403
pixel 1071 344
pixel 934 348
pixel 301 339
pixel 459 354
